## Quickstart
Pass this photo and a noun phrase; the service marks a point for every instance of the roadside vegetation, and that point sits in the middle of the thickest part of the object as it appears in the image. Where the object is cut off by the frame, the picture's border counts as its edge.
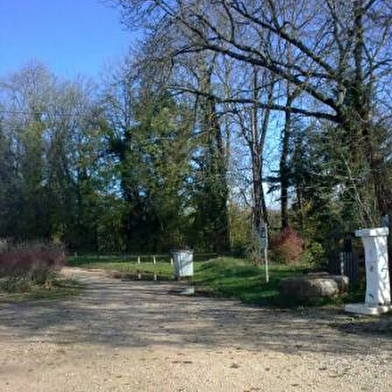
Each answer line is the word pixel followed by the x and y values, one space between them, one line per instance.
pixel 31 271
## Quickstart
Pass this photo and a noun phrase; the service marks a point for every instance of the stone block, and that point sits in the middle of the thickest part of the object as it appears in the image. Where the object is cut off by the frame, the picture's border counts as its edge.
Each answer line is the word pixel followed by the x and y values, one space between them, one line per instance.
pixel 318 285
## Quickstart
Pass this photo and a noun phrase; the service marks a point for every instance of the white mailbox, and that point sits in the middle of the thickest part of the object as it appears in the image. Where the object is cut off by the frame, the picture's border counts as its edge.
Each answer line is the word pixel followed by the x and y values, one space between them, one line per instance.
pixel 378 294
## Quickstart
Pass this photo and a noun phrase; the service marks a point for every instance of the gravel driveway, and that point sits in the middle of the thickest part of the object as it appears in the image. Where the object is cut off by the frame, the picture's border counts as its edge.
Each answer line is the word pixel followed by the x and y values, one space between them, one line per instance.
pixel 143 336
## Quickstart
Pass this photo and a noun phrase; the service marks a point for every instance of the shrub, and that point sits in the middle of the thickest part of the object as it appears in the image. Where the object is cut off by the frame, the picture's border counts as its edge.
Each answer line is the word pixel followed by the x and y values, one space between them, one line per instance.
pixel 288 246
pixel 25 265
pixel 314 254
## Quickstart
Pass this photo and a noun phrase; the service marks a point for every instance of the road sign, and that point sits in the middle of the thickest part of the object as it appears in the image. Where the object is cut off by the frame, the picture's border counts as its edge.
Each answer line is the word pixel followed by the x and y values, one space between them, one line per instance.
pixel 264 236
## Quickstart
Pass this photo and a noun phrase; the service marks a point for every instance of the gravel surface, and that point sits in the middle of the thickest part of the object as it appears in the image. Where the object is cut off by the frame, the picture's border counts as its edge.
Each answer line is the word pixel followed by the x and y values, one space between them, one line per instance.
pixel 144 336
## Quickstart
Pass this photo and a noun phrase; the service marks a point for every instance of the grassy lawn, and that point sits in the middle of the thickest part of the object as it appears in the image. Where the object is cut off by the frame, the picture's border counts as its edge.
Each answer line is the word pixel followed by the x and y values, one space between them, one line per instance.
pixel 59 289
pixel 237 278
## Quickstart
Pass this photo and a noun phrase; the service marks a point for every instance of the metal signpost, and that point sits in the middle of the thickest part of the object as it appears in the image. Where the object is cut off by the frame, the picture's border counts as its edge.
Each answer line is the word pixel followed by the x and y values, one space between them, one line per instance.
pixel 264 245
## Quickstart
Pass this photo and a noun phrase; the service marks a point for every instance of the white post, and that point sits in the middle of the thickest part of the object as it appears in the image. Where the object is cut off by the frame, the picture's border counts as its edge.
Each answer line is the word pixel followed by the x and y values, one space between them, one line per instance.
pixel 138 259
pixel 266 264
pixel 264 245
pixel 378 294
pixel 154 260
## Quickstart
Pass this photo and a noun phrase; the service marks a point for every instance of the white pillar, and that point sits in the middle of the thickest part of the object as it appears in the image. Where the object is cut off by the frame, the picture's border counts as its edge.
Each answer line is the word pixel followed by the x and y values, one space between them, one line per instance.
pixel 378 294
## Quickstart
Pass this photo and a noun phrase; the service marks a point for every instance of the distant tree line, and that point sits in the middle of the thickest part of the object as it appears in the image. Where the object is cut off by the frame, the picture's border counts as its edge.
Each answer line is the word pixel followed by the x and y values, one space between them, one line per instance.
pixel 131 168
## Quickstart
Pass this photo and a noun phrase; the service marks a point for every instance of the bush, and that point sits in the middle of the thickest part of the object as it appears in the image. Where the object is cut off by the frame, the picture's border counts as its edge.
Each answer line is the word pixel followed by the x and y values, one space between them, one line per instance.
pixel 288 246
pixel 314 254
pixel 23 266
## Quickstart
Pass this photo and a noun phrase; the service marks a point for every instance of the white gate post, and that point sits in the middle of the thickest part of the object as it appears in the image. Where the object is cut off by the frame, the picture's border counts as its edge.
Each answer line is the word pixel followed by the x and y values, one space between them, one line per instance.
pixel 378 294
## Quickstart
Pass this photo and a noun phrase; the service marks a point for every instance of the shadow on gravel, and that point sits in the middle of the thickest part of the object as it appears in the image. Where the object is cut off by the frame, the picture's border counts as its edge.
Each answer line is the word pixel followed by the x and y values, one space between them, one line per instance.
pixel 146 314
pixel 380 326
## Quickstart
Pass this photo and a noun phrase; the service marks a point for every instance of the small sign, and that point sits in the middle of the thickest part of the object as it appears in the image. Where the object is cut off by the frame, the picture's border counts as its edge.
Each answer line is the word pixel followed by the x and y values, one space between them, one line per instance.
pixel 264 236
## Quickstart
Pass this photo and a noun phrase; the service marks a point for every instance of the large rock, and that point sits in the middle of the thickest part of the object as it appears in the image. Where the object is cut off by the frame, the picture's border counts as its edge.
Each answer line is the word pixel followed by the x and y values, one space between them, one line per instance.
pixel 320 285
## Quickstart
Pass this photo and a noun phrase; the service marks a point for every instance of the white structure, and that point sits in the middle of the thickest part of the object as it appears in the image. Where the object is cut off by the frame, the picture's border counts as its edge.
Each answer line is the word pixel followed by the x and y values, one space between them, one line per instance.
pixel 378 294
pixel 183 263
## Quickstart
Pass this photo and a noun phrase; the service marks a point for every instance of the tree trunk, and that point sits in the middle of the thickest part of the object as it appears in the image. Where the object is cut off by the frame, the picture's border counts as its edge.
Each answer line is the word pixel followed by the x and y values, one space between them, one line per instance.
pixel 215 213
pixel 283 167
pixel 256 144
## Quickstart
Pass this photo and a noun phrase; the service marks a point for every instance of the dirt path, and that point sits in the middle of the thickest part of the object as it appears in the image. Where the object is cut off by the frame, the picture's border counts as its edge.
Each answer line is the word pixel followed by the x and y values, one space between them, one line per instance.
pixel 142 336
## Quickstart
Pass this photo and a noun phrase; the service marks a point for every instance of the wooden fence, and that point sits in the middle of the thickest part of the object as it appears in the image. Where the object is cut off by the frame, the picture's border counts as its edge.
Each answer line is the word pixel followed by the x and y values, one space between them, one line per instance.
pixel 131 258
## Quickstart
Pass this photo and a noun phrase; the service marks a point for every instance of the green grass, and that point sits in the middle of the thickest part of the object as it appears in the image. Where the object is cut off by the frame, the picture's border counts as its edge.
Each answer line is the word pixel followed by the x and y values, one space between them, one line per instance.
pixel 59 289
pixel 237 278
pixel 163 270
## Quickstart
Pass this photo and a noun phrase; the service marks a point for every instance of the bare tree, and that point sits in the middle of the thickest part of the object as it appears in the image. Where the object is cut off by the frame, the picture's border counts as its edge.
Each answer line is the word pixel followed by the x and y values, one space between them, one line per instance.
pixel 254 124
pixel 339 59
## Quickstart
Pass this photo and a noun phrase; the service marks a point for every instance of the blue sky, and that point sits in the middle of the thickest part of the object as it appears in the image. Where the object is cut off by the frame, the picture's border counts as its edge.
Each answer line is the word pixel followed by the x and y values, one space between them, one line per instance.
pixel 70 36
